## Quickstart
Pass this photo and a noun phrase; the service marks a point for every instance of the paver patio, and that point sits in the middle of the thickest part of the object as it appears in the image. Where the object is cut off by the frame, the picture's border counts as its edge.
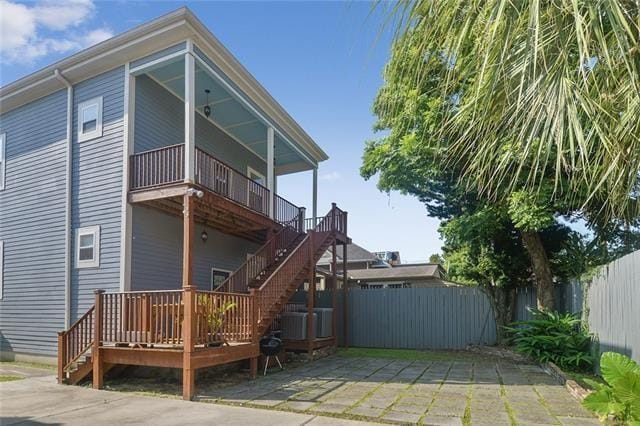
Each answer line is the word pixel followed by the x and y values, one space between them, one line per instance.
pixel 482 392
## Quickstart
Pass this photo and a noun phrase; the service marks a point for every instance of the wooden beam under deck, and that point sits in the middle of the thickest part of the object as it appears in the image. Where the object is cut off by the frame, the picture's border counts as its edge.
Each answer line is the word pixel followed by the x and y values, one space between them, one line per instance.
pixel 154 357
pixel 303 345
pixel 211 210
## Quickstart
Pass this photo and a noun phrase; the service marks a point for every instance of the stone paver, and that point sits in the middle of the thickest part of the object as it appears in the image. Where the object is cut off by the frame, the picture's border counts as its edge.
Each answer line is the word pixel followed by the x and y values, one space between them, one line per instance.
pixel 425 392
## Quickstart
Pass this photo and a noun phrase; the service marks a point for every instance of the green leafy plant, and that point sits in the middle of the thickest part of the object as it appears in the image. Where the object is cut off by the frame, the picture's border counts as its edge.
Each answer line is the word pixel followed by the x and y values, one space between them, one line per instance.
pixel 555 337
pixel 214 313
pixel 619 397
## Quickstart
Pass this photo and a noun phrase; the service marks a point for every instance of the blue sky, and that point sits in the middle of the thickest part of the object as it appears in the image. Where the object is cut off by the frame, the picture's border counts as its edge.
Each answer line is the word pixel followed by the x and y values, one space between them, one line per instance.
pixel 322 61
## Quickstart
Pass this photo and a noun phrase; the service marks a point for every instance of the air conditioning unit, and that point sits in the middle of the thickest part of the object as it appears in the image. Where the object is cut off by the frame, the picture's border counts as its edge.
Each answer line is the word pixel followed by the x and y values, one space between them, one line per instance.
pixel 325 322
pixel 294 325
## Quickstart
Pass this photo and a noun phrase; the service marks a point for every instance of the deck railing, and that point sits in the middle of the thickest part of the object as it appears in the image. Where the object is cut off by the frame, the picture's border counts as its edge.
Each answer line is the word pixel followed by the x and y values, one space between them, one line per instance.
pixel 240 280
pixel 157 167
pixel 165 166
pixel 223 317
pixel 75 342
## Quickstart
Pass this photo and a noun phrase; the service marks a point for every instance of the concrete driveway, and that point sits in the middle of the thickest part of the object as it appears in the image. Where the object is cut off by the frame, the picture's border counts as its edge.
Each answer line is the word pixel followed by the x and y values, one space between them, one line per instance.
pixel 39 400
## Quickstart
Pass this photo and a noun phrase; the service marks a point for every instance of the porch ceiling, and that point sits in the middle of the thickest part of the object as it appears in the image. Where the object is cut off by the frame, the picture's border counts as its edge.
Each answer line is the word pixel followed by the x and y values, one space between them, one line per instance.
pixel 229 114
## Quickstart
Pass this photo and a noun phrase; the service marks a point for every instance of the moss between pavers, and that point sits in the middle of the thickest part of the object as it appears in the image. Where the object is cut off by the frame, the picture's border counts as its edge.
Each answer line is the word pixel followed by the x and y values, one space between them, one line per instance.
pixel 7 378
pixel 30 365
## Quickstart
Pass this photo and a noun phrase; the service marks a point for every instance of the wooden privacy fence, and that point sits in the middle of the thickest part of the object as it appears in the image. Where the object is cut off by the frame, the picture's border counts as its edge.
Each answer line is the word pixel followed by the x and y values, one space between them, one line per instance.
pixel 414 318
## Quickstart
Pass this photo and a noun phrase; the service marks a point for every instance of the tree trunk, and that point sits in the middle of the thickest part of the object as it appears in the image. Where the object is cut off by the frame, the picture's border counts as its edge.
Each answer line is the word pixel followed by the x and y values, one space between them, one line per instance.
pixel 503 302
pixel 541 269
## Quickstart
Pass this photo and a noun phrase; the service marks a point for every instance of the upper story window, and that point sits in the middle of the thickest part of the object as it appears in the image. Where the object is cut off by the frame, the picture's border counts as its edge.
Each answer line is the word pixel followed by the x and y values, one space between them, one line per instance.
pixel 3 159
pixel 88 247
pixel 90 119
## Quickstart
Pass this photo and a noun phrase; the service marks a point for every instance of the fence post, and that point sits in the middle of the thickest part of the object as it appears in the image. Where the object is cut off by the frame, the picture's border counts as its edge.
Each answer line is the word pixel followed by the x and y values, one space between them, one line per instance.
pixel 301 217
pixel 333 217
pixel 62 355
pixel 98 373
pixel 253 367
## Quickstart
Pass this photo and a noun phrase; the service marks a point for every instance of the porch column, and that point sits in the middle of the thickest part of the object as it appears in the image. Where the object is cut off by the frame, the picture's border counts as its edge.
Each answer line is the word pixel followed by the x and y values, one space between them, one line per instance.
pixel 189 115
pixel 311 296
pixel 187 240
pixel 270 170
pixel 314 192
pixel 189 298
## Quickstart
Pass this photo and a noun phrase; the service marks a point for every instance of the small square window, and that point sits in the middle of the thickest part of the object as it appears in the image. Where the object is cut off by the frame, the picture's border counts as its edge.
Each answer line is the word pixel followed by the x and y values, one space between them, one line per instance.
pixel 88 247
pixel 90 119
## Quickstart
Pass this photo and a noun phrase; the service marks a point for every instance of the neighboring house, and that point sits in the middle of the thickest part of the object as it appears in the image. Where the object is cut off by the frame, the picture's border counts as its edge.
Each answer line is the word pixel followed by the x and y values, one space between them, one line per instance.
pixel 357 258
pixel 413 275
pixel 391 257
pixel 148 162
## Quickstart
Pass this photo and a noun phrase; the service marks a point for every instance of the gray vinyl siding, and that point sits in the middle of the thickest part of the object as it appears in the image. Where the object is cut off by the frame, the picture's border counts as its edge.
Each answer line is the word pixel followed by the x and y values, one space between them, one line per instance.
pixel 156 262
pixel 32 226
pixel 97 188
pixel 160 122
pixel 157 55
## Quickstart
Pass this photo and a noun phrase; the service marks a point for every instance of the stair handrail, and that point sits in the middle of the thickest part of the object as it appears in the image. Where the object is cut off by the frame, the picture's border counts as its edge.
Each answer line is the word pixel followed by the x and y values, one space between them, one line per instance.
pixel 259 261
pixel 68 351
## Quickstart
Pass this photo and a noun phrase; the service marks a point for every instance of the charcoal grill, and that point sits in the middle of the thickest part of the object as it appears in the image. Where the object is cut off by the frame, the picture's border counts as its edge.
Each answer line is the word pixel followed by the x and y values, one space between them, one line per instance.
pixel 270 346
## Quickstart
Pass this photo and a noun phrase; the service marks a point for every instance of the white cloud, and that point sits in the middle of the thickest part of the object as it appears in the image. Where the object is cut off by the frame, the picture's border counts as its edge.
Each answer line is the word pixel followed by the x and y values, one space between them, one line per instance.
pixel 29 32
pixel 331 177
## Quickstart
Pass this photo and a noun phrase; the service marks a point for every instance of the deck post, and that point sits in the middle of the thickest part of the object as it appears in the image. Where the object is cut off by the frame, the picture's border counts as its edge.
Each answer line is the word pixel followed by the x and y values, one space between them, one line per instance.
pixel 187 240
pixel 62 355
pixel 334 292
pixel 96 356
pixel 311 295
pixel 345 297
pixel 188 339
pixel 255 338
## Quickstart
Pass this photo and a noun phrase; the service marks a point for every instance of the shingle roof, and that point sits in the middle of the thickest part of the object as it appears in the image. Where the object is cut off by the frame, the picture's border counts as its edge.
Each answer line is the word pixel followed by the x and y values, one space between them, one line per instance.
pixel 355 253
pixel 398 272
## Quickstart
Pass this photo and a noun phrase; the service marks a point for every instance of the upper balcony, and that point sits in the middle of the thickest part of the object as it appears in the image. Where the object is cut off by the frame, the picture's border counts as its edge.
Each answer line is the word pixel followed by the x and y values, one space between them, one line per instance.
pixel 192 126
pixel 231 201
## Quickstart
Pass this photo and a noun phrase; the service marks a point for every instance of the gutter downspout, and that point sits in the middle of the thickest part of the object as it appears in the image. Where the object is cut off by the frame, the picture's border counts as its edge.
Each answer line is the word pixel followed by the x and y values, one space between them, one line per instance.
pixel 67 211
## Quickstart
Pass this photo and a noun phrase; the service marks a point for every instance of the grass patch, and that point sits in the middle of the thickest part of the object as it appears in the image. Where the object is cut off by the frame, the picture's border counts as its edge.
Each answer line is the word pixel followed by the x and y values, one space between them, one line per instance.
pixel 408 354
pixel 6 378
pixel 29 365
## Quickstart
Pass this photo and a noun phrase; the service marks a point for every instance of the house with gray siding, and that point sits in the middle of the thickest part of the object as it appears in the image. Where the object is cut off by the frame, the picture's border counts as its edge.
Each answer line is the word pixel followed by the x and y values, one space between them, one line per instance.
pixel 138 191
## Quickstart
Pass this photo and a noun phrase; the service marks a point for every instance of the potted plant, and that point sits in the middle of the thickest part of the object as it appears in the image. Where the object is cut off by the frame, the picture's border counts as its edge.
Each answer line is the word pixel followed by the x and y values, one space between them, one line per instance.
pixel 213 316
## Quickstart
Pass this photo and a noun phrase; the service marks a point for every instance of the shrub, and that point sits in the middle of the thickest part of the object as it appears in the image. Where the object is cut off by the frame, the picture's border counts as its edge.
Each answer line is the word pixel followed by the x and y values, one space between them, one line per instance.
pixel 550 336
pixel 620 396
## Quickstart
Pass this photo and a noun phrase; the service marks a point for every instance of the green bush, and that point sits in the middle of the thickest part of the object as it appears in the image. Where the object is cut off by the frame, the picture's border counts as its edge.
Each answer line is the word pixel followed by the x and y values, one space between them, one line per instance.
pixel 550 336
pixel 620 396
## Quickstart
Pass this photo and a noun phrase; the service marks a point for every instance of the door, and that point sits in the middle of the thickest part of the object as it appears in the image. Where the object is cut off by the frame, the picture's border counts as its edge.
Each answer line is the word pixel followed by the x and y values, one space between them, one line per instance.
pixel 256 194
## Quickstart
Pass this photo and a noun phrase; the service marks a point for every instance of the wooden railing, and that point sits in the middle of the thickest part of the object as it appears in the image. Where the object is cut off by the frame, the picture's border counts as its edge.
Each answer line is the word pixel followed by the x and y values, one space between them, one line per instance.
pixel 287 213
pixel 230 183
pixel 240 280
pixel 75 342
pixel 224 317
pixel 157 167
pixel 153 317
pixel 334 221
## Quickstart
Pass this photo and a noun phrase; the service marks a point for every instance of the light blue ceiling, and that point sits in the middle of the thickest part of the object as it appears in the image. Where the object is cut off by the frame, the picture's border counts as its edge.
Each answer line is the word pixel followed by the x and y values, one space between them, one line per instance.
pixel 227 112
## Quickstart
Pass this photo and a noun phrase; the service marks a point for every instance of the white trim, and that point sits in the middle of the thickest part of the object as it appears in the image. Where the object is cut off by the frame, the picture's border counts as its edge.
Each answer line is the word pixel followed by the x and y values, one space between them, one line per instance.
pixel 213 268
pixel 1 269
pixel 156 63
pixel 314 195
pixel 97 132
pixel 189 114
pixel 270 169
pixel 3 159
pixel 68 242
pixel 126 220
pixel 248 105
pixel 252 171
pixel 95 261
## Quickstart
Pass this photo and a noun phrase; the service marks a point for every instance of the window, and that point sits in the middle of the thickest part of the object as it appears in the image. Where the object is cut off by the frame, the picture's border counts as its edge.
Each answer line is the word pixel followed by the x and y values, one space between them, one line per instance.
pixel 88 247
pixel 1 269
pixel 3 159
pixel 255 199
pixel 218 276
pixel 90 119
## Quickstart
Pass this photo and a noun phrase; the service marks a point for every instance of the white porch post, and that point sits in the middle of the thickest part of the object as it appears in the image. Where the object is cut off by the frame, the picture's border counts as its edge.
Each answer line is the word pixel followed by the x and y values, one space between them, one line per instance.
pixel 189 115
pixel 314 203
pixel 270 171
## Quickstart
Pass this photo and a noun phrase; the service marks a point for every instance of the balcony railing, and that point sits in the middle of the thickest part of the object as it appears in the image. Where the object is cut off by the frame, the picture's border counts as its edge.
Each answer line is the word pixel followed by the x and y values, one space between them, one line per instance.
pixel 165 166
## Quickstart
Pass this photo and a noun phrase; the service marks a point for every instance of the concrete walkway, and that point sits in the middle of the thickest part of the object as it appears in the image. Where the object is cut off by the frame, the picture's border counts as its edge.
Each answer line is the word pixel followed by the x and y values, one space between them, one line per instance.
pixel 39 400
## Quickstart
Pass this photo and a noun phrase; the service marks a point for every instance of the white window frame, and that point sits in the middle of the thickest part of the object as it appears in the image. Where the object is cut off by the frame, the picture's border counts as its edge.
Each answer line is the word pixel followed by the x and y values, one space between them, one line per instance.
pixel 82 136
pixel 1 269
pixel 251 171
pixel 3 159
pixel 214 269
pixel 95 262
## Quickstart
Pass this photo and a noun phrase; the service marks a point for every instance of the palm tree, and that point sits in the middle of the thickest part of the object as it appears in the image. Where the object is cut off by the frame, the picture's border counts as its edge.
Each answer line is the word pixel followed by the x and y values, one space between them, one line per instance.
pixel 549 87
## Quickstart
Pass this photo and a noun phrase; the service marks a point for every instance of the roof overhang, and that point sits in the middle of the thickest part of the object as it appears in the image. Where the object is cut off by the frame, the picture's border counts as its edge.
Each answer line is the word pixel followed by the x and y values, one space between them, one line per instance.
pixel 144 40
